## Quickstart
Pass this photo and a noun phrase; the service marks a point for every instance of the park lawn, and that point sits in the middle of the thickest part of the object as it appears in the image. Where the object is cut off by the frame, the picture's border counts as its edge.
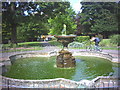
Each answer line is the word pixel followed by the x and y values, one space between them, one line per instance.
pixel 24 46
pixel 20 50
pixel 29 44
pixel 55 43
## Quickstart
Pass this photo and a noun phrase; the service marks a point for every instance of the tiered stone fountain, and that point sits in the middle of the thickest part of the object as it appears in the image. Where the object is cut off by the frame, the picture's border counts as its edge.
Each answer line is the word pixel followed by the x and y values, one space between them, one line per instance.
pixel 65 58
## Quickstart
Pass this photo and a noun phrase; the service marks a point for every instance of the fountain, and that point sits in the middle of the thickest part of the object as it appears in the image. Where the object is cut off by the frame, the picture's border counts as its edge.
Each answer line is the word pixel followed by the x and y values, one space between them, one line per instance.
pixel 36 70
pixel 65 58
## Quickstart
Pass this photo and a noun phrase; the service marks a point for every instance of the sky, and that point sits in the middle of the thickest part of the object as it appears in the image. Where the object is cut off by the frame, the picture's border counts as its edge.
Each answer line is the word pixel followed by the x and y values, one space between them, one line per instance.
pixel 76 5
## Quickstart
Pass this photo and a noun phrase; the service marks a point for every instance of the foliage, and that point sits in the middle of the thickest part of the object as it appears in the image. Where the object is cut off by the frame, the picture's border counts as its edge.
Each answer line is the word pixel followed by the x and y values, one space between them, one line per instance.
pixel 13 13
pixel 56 24
pixel 30 31
pixel 114 39
pixel 26 21
pixel 107 43
pixel 82 38
pixel 100 17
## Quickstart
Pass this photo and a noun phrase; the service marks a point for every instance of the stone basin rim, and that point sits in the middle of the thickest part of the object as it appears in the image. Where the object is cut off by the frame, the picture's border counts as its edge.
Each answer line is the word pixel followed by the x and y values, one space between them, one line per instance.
pixel 84 53
pixel 93 81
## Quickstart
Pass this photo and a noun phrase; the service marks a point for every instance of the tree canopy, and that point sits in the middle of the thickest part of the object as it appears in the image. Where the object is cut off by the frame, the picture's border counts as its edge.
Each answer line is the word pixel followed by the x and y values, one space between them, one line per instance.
pixel 28 20
pixel 67 18
pixel 12 14
pixel 25 21
pixel 99 17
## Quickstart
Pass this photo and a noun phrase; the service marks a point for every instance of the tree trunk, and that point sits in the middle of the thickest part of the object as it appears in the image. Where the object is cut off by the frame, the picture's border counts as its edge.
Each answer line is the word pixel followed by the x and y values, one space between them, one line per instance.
pixel 14 35
pixel 14 25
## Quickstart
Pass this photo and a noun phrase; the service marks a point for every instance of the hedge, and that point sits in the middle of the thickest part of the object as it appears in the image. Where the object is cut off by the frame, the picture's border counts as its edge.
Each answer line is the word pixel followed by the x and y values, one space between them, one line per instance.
pixel 114 39
pixel 82 38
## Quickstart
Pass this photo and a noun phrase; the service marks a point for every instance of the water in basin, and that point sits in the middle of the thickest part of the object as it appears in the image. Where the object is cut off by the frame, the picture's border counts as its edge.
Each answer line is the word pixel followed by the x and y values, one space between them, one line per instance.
pixel 38 68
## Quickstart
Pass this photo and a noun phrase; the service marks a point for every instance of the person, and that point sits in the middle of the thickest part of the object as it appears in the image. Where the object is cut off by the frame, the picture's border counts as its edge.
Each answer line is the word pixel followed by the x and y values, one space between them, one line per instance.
pixel 97 40
pixel 43 37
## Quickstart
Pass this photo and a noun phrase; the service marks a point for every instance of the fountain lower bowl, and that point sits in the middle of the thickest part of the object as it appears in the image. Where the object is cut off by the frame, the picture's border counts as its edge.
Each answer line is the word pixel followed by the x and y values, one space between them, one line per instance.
pixel 49 82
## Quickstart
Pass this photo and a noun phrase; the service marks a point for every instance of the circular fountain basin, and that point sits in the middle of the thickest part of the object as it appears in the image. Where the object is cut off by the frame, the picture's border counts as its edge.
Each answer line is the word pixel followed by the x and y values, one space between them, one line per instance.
pixel 37 67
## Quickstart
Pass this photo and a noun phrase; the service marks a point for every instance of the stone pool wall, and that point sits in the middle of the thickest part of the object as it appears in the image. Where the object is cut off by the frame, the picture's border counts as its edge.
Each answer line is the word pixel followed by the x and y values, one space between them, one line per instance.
pixel 99 82
pixel 94 54
pixel 60 82
pixel 106 81
pixel 83 53
pixel 25 55
pixel 48 83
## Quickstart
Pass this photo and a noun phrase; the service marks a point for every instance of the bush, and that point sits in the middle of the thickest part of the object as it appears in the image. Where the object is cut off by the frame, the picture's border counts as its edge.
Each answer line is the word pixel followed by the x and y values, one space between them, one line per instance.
pixel 105 43
pixel 114 39
pixel 82 38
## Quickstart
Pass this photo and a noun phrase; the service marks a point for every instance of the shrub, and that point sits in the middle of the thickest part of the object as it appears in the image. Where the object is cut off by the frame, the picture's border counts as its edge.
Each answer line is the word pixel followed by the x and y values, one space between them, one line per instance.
pixel 114 39
pixel 105 42
pixel 82 38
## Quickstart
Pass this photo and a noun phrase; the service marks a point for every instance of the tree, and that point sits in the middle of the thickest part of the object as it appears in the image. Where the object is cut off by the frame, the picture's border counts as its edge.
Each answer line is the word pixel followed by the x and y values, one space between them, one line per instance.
pixel 79 26
pixel 30 30
pixel 29 18
pixel 100 17
pixel 67 18
pixel 38 24
pixel 12 12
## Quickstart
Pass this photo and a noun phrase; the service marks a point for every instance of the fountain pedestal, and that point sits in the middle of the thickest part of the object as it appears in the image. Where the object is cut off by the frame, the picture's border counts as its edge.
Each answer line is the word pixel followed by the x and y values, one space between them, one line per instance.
pixel 65 58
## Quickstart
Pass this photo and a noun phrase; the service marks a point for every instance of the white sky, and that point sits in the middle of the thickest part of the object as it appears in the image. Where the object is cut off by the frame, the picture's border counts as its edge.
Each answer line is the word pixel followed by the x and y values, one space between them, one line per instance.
pixel 76 5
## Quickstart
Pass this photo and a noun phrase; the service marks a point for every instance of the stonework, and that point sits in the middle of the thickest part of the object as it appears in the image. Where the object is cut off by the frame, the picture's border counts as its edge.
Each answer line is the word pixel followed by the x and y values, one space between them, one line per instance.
pixel 99 82
pixel 61 82
pixel 65 59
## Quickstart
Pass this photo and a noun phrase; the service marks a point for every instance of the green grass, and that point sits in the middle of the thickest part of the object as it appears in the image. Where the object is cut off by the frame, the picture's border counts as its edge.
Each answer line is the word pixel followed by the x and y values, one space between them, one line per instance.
pixel 111 48
pixel 27 46
pixel 29 43
pixel 15 50
pixel 107 43
pixel 55 43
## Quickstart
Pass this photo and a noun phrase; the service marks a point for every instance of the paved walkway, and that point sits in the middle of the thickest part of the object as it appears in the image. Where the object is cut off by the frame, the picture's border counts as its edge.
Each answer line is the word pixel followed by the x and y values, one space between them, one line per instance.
pixel 47 47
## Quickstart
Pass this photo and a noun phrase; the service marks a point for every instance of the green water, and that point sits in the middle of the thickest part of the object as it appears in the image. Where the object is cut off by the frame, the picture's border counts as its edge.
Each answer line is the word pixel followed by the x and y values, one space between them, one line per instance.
pixel 44 68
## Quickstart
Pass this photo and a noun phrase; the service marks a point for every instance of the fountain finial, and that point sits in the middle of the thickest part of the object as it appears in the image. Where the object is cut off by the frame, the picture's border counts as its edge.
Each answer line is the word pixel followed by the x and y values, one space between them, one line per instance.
pixel 64 29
